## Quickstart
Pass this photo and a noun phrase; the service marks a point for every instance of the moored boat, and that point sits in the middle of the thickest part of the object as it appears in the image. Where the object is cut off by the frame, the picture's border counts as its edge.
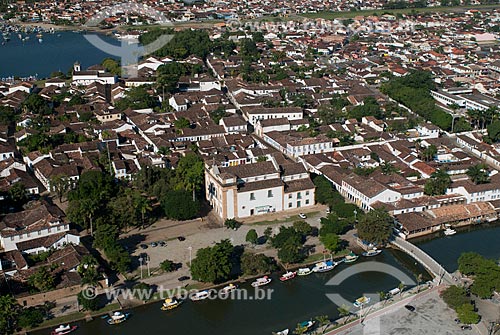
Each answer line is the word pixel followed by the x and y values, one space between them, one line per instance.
pixel 287 276
pixel 283 332
pixel 117 318
pixel 228 289
pixel 261 281
pixel 169 304
pixel 449 232
pixel 324 266
pixel 202 295
pixel 307 324
pixel 351 258
pixel 360 302
pixel 63 329
pixel 304 271
pixel 372 252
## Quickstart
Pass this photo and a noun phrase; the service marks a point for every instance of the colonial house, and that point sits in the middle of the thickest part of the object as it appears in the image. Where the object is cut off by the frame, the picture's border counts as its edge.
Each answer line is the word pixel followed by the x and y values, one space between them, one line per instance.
pixel 253 189
pixel 36 229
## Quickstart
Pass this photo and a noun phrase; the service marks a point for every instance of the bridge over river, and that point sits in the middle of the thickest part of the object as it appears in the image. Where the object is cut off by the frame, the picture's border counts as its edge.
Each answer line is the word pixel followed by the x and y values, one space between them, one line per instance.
pixel 436 269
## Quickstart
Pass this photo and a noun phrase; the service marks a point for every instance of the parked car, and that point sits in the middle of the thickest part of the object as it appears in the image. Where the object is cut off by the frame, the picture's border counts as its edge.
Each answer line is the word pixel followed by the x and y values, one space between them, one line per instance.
pixel 466 327
pixel 162 243
pixel 327 210
pixel 410 308
pixel 153 244
pixel 143 246
pixel 302 216
pixel 184 278
pixel 181 238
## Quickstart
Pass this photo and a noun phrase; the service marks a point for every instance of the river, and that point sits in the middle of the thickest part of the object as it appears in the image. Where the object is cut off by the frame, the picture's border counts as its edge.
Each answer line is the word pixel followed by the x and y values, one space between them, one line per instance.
pixel 57 52
pixel 294 301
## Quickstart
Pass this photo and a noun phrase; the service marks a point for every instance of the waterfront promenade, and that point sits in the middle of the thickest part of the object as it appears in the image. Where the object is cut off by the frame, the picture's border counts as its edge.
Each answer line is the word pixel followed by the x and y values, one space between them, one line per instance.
pixel 431 316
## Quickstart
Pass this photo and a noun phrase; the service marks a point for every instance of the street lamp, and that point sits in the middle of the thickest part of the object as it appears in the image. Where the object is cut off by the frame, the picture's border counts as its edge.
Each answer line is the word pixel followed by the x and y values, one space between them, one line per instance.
pixel 148 260
pixel 355 214
pixel 140 262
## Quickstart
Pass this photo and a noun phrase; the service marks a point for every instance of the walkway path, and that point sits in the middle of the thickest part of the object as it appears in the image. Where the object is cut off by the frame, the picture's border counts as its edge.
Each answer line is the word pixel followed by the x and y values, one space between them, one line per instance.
pixel 427 261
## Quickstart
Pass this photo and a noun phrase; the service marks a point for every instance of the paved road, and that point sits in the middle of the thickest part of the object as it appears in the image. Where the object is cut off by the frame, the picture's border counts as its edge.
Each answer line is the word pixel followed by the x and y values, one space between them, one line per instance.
pixel 432 317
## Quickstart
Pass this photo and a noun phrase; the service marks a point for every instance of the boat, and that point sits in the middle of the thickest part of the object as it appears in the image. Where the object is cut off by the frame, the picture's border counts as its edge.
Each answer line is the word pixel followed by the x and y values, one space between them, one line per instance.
pixel 360 302
pixel 261 281
pixel 201 295
pixel 449 232
pixel 63 329
pixel 372 252
pixel 40 40
pixel 39 35
pixel 306 324
pixel 283 332
pixel 228 289
pixel 351 258
pixel 169 304
pixel 304 271
pixel 117 318
pixel 287 276
pixel 324 266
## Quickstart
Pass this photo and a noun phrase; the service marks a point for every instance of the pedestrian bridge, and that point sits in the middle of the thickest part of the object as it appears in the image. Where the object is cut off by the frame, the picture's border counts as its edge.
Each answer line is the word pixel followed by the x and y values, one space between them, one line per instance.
pixel 429 263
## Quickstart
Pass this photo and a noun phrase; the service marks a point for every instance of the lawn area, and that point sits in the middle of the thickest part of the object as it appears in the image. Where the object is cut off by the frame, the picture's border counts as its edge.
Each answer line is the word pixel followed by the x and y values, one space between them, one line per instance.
pixel 292 218
pixel 329 15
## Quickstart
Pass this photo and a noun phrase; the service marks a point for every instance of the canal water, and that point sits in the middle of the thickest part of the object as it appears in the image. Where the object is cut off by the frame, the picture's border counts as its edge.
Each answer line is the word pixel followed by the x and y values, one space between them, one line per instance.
pixel 56 52
pixel 294 301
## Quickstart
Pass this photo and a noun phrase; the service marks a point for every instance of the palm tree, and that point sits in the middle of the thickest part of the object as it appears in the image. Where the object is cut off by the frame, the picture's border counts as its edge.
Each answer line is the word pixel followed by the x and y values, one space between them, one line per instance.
pixel 382 296
pixel 401 287
pixel 8 309
pixel 344 312
pixel 299 330
pixel 479 173
pixel 323 321
pixel 143 206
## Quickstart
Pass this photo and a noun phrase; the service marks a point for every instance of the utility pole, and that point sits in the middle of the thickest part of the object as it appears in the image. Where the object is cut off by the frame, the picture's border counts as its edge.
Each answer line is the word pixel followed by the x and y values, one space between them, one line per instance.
pixel 148 260
pixel 140 262
pixel 190 248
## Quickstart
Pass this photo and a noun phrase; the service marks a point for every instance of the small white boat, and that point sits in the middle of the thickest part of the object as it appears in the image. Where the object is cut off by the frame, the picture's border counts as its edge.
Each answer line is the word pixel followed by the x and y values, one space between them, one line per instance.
pixel 449 232
pixel 228 289
pixel 304 271
pixel 261 281
pixel 63 329
pixel 307 324
pixel 117 318
pixel 324 266
pixel 360 302
pixel 202 295
pixel 372 252
pixel 287 276
pixel 283 332
pixel 351 258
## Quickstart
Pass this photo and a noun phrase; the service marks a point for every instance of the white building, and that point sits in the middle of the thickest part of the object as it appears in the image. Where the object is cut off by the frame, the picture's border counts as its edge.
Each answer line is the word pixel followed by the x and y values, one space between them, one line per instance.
pixel 259 188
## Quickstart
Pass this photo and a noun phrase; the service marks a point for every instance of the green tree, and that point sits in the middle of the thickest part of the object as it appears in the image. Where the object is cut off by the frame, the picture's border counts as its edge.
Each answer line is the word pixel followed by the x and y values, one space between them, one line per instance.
pixel 466 314
pixel 179 205
pixel 182 123
pixel 17 194
pixel 344 312
pixel 232 224
pixel 330 241
pixel 375 226
pixel 60 185
pixel 136 98
pixel 267 233
pixel 303 227
pixel 333 225
pixel 190 174
pixel 479 173
pixel 438 183
pixel 494 131
pixel 291 251
pixel 213 264
pixel 167 265
pixel 428 153
pixel 323 321
pixel 43 279
pixel 257 264
pixel 86 303
pixel 455 296
pixel 30 317
pixel 252 236
pixel 9 310
pixel 143 206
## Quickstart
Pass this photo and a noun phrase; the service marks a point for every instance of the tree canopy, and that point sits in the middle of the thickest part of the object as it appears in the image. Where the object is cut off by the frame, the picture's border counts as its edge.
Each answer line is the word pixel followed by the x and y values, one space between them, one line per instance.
pixel 213 264
pixel 375 226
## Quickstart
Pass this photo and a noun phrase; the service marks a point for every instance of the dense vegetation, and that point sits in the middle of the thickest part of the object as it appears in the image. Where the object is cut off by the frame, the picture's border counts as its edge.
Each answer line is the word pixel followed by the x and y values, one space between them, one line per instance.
pixel 413 91
pixel 485 272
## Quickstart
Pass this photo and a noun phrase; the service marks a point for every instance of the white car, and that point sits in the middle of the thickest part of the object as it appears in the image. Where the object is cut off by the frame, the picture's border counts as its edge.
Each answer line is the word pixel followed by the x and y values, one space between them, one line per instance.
pixel 302 216
pixel 327 210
